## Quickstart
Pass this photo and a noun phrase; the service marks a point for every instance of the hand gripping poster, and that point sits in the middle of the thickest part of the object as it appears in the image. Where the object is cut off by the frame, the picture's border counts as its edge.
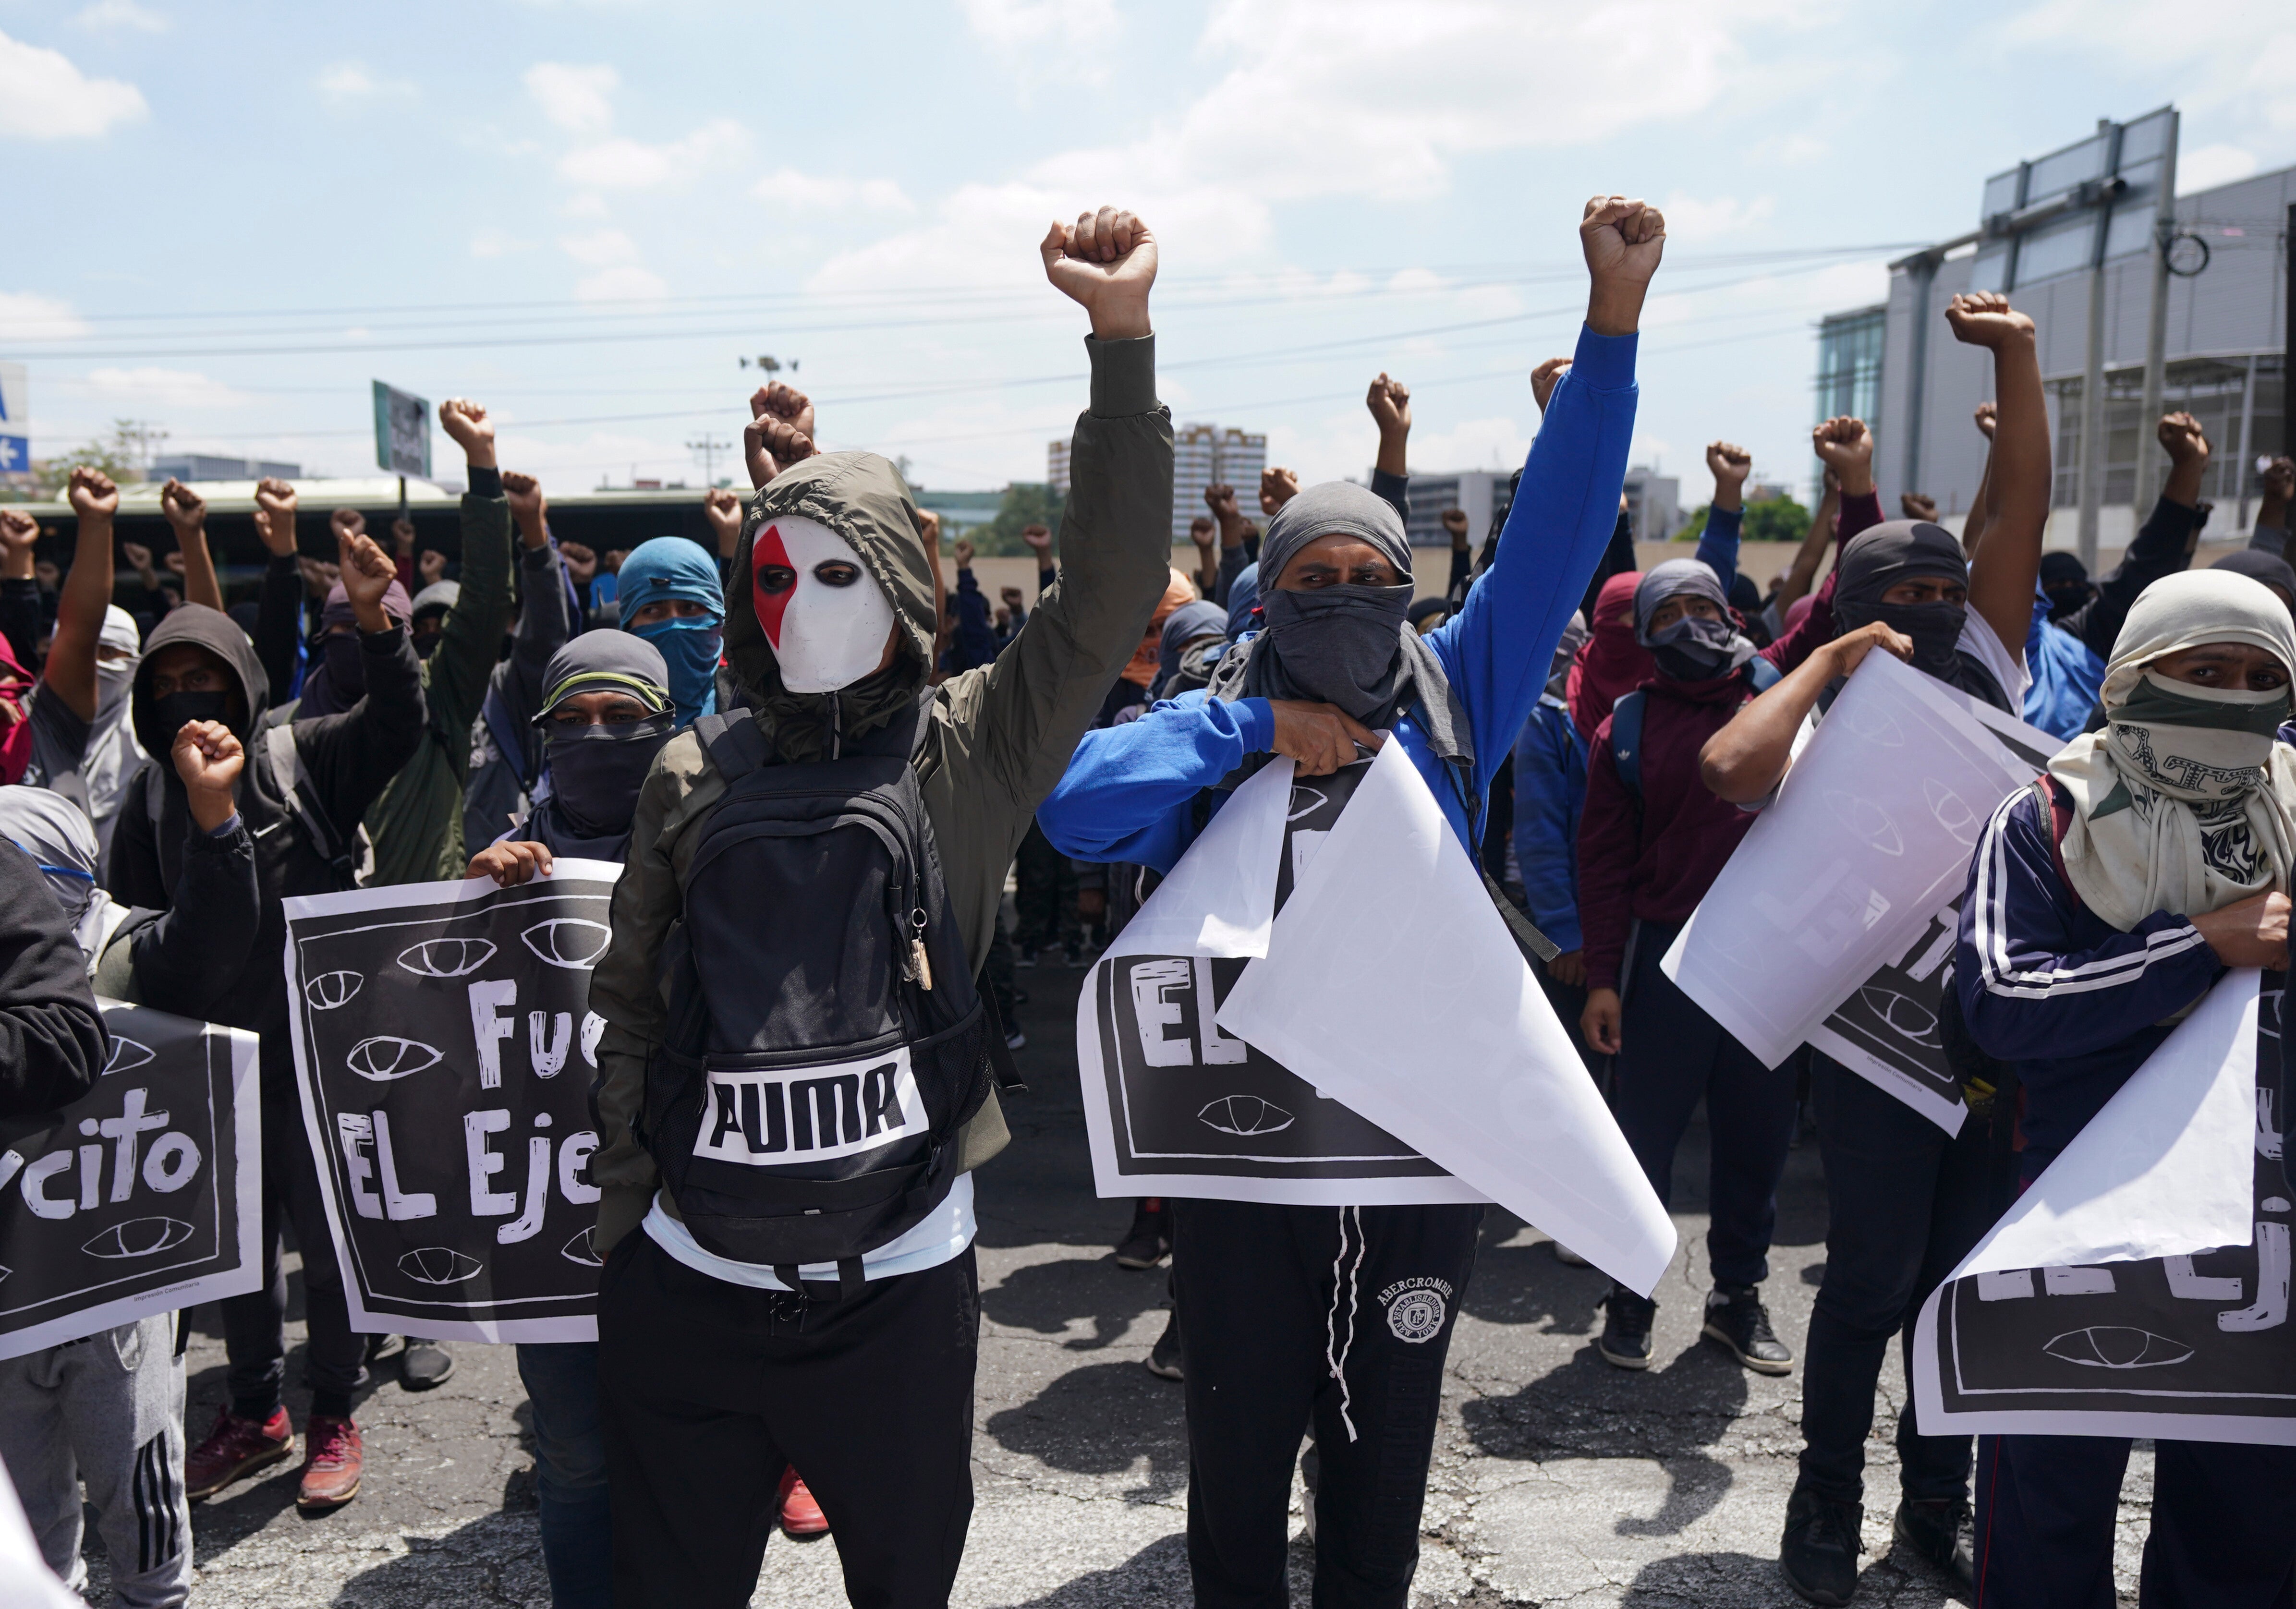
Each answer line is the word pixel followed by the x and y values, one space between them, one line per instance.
pixel 141 1197
pixel 1320 1007
pixel 2140 1286
pixel 1854 877
pixel 445 1046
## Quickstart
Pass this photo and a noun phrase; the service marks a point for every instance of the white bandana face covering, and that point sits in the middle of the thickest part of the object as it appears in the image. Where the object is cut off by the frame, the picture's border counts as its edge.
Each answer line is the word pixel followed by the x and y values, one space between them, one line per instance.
pixel 825 616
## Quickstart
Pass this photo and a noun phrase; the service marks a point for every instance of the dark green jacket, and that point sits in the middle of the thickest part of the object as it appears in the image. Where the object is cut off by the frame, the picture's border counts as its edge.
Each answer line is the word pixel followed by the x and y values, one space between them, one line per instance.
pixel 1000 735
pixel 417 824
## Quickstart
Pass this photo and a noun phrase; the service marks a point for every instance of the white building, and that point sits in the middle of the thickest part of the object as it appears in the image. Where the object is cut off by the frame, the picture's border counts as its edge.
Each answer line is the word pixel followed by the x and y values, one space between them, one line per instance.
pixel 1056 466
pixel 1653 503
pixel 1468 489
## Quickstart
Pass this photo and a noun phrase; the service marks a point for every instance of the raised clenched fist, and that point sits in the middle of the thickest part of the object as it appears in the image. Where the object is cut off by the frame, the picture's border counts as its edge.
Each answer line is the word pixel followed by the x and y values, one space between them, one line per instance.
pixel 93 494
pixel 1546 378
pixel 963 554
pixel 785 403
pixel 347 522
pixel 274 516
pixel 2181 435
pixel 722 511
pixel 1277 487
pixel 581 562
pixel 1038 537
pixel 402 535
pixel 1622 241
pixel 770 443
pixel 1846 446
pixel 1986 414
pixel 365 571
pixel 1918 507
pixel 206 756
pixel 467 422
pixel 1454 526
pixel 2280 480
pixel 1389 402
pixel 1203 533
pixel 139 560
pixel 430 565
pixel 1106 261
pixel 187 509
pixel 1729 463
pixel 17 530
pixel 1984 318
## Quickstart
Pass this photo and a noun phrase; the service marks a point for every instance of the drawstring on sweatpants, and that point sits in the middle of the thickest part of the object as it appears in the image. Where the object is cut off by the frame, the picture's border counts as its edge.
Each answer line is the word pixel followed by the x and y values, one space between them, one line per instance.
pixel 1335 1349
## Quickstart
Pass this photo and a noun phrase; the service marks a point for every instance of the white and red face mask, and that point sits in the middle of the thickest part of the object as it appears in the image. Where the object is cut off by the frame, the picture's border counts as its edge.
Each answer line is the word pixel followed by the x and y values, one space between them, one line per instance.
pixel 824 613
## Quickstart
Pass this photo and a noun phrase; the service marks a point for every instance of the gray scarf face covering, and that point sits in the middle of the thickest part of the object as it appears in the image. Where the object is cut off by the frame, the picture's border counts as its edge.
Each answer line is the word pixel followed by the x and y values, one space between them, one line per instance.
pixel 1347 645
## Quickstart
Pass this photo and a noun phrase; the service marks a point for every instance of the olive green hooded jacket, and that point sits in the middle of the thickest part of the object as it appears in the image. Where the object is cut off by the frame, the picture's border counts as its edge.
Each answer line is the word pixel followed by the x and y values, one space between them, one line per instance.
pixel 999 738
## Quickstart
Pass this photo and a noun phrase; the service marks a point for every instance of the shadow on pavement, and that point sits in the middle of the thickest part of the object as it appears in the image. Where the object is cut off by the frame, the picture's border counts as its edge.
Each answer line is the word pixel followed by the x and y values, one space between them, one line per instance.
pixel 1099 1420
pixel 1048 1297
pixel 1156 1574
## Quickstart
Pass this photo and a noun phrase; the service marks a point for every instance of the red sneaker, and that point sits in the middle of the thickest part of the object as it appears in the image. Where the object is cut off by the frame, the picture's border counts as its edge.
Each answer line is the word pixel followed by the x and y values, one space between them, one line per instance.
pixel 332 1454
pixel 801 1517
pixel 235 1448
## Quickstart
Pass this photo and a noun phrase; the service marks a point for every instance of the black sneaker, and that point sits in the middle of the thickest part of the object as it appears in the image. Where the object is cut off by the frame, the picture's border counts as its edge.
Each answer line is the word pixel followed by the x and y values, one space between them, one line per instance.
pixel 1026 958
pixel 427 1364
pixel 1626 1341
pixel 1938 1528
pixel 1014 1040
pixel 1736 1317
pixel 1819 1553
pixel 1074 955
pixel 1148 1240
pixel 1164 1357
pixel 378 1347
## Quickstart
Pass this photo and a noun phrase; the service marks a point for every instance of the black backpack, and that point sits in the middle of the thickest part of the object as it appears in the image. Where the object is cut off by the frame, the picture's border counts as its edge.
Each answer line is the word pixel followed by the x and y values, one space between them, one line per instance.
pixel 826 1042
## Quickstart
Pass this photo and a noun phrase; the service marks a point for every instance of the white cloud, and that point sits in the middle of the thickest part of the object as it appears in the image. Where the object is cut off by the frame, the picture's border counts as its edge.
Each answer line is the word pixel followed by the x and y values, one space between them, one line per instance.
pixel 2235 55
pixel 26 316
pixel 626 283
pixel 577 99
pixel 491 242
pixel 627 164
pixel 43 96
pixel 154 387
pixel 349 84
pixel 121 14
pixel 2212 166
pixel 1496 443
pixel 808 192
pixel 1033 24
pixel 600 249
pixel 1691 222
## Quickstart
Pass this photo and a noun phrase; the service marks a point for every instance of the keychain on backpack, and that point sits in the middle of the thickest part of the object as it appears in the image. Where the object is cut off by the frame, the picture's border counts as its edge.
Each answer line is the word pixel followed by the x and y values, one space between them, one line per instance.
pixel 917 950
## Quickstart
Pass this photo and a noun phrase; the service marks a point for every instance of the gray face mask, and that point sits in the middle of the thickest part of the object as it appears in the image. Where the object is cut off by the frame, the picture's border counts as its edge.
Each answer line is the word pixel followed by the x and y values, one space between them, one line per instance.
pixel 1693 649
pixel 1341 644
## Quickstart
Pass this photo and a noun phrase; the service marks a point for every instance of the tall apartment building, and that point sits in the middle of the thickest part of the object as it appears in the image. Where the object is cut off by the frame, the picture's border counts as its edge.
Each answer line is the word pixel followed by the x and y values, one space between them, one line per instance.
pixel 1056 466
pixel 1195 465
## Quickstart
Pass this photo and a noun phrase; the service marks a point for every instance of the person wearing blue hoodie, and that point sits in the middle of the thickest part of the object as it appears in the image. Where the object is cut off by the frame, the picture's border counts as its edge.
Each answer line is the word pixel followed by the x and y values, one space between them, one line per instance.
pixel 1335 671
pixel 670 595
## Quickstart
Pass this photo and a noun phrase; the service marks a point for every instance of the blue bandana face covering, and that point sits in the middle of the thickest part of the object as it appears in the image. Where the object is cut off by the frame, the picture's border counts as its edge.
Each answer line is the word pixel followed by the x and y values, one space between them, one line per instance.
pixel 690 648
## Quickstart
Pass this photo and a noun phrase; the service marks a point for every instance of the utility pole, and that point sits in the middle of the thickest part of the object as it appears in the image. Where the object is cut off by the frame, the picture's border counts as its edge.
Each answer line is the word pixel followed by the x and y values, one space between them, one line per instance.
pixel 708 446
pixel 2156 331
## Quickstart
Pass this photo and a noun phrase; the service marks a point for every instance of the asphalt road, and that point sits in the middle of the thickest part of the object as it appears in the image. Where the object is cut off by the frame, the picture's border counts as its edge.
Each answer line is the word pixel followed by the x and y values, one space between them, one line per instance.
pixel 1557 1480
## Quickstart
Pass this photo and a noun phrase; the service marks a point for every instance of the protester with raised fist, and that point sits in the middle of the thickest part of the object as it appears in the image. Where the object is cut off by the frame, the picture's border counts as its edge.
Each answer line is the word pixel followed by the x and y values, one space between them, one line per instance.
pixel 809 1301
pixel 505 750
pixel 1336 672
pixel 1906 1200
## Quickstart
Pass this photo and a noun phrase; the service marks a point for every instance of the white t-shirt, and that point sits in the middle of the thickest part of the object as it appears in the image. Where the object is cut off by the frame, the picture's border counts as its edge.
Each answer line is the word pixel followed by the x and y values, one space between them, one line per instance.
pixel 941 1236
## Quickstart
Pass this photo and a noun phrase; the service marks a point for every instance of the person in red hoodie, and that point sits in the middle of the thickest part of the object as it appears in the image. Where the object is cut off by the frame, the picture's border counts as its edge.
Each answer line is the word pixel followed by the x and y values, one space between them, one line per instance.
pixel 1652 840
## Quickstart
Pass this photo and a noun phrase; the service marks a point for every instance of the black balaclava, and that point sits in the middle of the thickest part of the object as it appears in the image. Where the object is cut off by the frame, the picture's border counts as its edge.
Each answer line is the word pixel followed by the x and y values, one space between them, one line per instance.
pixel 595 771
pixel 338 680
pixel 2065 579
pixel 1904 550
pixel 2259 565
pixel 1690 649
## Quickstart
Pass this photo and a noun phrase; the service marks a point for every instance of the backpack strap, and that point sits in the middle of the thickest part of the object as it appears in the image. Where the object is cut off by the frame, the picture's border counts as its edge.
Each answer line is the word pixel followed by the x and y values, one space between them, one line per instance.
pixel 2060 806
pixel 1765 674
pixel 1002 1067
pixel 352 858
pixel 1627 740
pixel 734 743
pixel 509 742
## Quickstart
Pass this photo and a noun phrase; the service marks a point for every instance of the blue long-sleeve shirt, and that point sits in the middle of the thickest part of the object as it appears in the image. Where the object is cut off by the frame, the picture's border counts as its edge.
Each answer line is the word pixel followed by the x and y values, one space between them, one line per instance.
pixel 1717 543
pixel 1550 791
pixel 2074 1004
pixel 1130 790
pixel 2066 674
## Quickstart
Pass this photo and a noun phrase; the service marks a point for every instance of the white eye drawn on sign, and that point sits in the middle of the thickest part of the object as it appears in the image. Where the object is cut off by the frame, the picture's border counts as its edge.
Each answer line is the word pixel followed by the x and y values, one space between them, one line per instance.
pixel 446 957
pixel 1952 812
pixel 1867 819
pixel 139 1238
pixel 582 1249
pixel 439 1265
pixel 386 1057
pixel 570 941
pixel 1306 801
pixel 330 990
pixel 125 1054
pixel 1245 1114
pixel 1902 1015
pixel 1875 725
pixel 2116 1346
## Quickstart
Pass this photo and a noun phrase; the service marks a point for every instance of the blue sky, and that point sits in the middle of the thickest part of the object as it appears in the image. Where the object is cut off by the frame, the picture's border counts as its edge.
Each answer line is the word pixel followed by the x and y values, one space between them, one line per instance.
pixel 227 220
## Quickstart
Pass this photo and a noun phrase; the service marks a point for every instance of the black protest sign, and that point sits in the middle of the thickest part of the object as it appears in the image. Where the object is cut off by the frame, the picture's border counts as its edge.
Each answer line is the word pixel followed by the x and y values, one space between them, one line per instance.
pixel 1891 1030
pixel 1193 1111
pixel 445 1047
pixel 140 1198
pixel 2191 1348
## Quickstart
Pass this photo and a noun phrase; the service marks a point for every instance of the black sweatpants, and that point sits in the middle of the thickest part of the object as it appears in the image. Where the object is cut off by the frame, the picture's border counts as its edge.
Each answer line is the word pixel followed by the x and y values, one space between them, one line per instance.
pixel 255 1326
pixel 1046 907
pixel 709 1389
pixel 2047 1509
pixel 1269 1298
pixel 1670 1053
pixel 1904 1202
